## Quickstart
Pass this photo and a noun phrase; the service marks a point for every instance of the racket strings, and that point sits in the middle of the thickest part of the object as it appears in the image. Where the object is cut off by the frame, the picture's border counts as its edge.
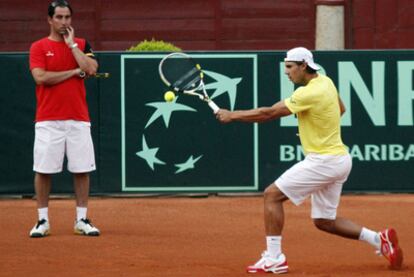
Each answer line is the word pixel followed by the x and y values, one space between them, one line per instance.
pixel 188 79
pixel 192 83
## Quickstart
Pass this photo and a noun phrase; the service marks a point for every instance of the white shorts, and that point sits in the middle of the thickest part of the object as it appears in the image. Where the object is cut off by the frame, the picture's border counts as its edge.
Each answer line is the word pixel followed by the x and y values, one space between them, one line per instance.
pixel 54 139
pixel 321 177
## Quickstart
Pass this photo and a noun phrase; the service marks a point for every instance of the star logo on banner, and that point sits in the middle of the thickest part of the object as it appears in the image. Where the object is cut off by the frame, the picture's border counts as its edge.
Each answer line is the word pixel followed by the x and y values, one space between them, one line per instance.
pixel 223 84
pixel 165 109
pixel 189 164
pixel 149 154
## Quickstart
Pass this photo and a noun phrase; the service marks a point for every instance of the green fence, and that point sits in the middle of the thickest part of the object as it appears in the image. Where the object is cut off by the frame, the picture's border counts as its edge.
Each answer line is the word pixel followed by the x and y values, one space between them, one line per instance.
pixel 144 145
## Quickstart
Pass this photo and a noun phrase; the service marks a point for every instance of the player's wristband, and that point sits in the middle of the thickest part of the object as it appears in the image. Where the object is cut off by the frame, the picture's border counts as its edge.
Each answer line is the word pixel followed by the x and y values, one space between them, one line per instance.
pixel 73 45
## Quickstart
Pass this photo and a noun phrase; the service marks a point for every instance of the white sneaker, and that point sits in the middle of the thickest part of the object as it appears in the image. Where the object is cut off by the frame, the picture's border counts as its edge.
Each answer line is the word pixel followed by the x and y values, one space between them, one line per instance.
pixel 268 264
pixel 85 227
pixel 41 229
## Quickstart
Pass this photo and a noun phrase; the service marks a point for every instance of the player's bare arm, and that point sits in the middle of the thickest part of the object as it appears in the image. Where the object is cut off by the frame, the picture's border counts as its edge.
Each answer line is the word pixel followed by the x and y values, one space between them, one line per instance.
pixel 86 64
pixel 261 114
pixel 49 78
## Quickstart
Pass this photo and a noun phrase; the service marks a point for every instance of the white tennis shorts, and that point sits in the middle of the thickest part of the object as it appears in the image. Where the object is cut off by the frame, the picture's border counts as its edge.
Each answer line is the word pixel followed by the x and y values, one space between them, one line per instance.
pixel 318 176
pixel 54 139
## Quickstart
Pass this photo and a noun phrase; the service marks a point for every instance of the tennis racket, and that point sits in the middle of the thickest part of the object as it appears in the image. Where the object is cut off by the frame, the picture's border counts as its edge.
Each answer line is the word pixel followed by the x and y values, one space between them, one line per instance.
pixel 183 75
pixel 103 75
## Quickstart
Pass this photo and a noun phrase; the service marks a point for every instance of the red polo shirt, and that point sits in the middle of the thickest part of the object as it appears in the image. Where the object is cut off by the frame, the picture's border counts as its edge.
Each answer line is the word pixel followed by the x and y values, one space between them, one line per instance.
pixel 65 100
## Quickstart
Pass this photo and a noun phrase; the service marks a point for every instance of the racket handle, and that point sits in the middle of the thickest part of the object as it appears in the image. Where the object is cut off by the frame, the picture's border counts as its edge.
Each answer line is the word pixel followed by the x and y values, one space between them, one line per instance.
pixel 102 75
pixel 213 106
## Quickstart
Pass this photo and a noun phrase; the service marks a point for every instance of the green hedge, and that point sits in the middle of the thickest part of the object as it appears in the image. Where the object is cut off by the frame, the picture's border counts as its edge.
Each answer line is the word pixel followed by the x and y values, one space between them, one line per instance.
pixel 154 45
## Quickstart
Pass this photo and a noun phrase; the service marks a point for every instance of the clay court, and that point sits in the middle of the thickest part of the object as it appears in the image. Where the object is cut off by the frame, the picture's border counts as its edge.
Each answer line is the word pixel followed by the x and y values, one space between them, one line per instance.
pixel 199 236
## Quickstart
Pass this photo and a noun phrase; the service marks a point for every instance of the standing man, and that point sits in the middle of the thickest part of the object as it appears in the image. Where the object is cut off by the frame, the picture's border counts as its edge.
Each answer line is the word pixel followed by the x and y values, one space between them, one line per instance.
pixel 323 171
pixel 58 64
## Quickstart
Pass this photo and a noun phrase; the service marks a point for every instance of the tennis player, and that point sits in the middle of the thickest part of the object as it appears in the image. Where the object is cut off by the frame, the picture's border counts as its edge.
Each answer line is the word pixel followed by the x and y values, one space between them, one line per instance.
pixel 321 174
pixel 58 64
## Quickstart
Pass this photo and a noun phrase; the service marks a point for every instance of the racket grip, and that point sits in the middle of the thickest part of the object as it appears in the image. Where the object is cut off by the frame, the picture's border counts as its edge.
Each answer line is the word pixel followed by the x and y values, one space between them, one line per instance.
pixel 103 75
pixel 213 106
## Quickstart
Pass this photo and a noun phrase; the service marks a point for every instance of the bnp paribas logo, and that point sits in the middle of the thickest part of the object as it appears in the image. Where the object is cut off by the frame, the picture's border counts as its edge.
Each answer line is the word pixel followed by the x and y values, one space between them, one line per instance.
pixel 220 86
pixel 179 145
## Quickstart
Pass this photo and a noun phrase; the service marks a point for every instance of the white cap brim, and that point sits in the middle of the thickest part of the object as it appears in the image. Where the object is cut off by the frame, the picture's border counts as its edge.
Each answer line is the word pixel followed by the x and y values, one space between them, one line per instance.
pixel 311 64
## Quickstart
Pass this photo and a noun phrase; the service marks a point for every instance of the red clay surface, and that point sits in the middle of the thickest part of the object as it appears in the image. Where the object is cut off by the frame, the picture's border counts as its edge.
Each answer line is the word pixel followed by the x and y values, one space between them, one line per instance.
pixel 214 236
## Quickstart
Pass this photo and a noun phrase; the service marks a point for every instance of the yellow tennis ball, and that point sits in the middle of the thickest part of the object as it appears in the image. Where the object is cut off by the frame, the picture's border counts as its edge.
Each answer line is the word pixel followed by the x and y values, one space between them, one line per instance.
pixel 169 96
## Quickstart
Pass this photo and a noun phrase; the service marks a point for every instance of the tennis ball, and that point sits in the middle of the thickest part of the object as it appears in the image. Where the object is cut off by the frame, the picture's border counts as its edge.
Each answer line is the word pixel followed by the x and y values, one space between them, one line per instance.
pixel 169 96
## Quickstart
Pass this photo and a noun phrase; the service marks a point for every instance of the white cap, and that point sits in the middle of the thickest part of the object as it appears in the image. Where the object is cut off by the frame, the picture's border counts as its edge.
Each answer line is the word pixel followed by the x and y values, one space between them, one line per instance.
pixel 301 54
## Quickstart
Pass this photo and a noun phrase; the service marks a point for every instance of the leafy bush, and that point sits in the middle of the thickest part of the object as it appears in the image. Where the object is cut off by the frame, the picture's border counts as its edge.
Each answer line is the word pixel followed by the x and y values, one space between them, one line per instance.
pixel 154 45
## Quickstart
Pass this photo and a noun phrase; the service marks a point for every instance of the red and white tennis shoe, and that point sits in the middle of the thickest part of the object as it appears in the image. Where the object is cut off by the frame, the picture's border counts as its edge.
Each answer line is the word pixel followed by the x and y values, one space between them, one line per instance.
pixel 268 264
pixel 390 248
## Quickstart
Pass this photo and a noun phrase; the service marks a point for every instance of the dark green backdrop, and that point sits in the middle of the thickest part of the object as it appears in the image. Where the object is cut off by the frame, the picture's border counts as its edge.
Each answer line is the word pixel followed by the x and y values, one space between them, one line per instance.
pixel 189 151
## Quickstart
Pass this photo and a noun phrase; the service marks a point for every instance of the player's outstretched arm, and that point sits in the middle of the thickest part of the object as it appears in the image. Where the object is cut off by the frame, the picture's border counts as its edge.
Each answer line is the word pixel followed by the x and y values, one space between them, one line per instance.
pixel 261 114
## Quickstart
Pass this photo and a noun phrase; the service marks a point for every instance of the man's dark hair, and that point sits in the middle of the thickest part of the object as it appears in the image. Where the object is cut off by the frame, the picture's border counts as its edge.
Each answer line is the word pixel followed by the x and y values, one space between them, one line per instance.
pixel 58 3
pixel 308 68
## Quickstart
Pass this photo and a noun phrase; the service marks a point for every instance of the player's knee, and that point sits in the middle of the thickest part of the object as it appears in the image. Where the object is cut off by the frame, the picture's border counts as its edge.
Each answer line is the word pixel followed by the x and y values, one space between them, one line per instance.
pixel 325 225
pixel 272 193
pixel 269 192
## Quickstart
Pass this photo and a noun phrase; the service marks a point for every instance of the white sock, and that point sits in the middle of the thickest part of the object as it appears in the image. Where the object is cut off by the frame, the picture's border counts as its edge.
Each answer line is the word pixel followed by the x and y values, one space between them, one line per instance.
pixel 81 213
pixel 43 213
pixel 274 245
pixel 371 237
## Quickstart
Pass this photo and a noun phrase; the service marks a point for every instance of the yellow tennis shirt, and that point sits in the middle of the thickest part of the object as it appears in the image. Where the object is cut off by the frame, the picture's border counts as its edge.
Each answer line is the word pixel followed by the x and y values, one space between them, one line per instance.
pixel 317 108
